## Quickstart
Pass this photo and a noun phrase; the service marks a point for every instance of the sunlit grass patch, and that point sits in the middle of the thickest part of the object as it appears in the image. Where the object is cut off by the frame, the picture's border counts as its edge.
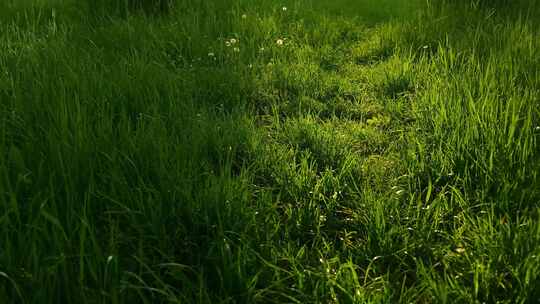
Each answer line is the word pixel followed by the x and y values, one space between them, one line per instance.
pixel 243 151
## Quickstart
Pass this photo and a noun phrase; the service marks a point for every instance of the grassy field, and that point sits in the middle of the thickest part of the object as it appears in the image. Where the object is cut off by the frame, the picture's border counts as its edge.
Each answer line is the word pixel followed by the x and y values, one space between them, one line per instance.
pixel 242 151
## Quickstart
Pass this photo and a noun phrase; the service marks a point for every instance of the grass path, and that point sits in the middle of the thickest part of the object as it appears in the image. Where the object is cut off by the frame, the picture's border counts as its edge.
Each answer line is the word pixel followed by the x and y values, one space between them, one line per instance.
pixel 260 152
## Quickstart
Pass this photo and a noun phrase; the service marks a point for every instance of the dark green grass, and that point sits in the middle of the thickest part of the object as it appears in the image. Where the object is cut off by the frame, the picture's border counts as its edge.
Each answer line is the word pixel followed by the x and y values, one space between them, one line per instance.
pixel 386 152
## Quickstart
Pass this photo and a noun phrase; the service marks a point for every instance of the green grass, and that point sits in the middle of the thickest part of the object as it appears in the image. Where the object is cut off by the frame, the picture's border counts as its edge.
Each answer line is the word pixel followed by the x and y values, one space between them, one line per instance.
pixel 385 152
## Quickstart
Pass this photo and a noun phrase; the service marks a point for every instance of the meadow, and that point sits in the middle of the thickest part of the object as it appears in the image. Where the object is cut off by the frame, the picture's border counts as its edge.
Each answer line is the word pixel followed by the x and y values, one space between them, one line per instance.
pixel 265 151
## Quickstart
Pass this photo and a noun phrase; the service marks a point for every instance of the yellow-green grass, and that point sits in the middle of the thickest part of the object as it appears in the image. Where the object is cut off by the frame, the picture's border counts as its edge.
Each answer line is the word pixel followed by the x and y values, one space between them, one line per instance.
pixel 267 151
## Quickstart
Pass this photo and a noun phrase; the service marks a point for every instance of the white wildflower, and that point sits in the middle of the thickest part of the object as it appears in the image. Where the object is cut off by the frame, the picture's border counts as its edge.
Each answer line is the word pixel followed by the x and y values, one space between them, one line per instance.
pixel 460 250
pixel 279 42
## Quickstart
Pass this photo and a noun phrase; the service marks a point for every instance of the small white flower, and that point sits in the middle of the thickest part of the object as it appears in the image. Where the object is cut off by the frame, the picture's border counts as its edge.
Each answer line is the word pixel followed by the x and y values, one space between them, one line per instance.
pixel 228 43
pixel 233 41
pixel 279 42
pixel 284 8
pixel 244 16
pixel 460 250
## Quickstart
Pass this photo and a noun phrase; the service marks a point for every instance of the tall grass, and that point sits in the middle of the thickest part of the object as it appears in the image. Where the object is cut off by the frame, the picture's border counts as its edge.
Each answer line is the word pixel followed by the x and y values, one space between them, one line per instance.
pixel 123 8
pixel 379 152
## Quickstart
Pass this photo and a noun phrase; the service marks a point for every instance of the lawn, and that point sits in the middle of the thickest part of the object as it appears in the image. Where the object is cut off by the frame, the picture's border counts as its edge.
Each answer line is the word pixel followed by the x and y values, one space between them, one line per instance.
pixel 265 151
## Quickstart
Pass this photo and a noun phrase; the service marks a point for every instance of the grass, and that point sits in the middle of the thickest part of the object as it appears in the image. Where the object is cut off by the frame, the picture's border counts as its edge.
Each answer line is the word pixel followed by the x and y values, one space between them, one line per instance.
pixel 381 152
